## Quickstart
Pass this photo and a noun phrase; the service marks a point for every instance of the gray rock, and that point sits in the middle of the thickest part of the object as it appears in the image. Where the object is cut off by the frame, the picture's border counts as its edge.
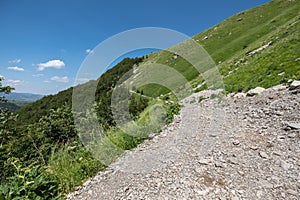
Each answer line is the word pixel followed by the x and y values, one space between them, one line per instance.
pixel 263 155
pixel 278 88
pixel 266 184
pixel 294 125
pixel 233 161
pixel 255 91
pixel 295 85
pixel 284 165
pixel 277 153
pixel 259 194
pixel 151 135
pixel 204 161
pixel 292 192
pixel 219 164
pixel 254 147
pixel 240 95
pixel 292 135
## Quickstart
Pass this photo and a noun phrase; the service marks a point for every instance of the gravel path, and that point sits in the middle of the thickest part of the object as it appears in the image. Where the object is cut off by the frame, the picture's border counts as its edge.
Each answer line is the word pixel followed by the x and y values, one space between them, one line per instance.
pixel 244 148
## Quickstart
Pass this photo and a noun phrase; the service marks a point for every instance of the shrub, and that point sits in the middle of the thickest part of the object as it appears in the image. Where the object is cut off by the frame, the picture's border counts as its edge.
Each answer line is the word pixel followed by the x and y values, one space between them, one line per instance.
pixel 71 168
pixel 172 110
pixel 30 182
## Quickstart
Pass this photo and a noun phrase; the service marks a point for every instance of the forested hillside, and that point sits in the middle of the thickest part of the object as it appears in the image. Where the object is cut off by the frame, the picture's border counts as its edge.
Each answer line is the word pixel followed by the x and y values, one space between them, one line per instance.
pixel 33 112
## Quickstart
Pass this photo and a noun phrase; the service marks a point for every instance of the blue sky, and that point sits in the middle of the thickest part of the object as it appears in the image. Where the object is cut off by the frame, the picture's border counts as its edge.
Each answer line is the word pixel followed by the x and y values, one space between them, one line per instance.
pixel 43 43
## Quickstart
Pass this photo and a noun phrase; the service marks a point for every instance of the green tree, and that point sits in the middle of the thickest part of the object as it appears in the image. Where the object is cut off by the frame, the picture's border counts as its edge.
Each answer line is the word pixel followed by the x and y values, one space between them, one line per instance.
pixel 6 133
pixel 4 89
pixel 5 115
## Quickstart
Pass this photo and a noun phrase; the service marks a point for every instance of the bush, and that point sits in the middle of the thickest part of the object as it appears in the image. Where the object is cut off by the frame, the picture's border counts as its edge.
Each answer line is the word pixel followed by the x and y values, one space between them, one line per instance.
pixel 30 182
pixel 71 168
pixel 172 109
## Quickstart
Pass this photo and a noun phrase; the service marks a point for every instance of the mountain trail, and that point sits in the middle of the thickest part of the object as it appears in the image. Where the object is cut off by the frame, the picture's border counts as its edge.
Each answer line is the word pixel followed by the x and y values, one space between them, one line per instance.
pixel 241 148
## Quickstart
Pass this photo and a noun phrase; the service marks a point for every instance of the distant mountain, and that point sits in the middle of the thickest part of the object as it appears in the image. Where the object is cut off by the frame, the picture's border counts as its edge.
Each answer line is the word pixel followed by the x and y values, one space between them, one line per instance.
pixel 27 97
pixel 17 101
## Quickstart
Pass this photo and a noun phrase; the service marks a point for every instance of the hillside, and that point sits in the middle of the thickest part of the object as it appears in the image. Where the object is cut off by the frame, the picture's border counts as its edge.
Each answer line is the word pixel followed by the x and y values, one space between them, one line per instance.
pixel 11 106
pixel 43 153
pixel 34 111
pixel 250 48
pixel 232 44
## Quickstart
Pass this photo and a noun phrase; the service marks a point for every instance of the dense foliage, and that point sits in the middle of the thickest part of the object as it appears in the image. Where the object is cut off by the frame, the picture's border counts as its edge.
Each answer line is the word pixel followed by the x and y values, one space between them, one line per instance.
pixel 46 159
pixel 41 156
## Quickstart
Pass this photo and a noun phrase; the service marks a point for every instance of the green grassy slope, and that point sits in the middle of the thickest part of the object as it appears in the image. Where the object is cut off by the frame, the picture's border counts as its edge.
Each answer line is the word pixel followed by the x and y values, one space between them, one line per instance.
pixel 231 42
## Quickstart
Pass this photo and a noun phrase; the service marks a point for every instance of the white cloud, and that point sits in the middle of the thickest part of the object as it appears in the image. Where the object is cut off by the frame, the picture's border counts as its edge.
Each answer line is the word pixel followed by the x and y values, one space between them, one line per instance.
pixel 63 79
pixel 82 80
pixel 16 61
pixel 14 82
pixel 15 68
pixel 37 75
pixel 58 64
pixel 89 51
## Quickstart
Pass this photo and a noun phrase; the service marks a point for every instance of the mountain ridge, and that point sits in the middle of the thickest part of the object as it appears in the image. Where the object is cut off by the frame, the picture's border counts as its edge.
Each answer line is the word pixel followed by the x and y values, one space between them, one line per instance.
pixel 20 96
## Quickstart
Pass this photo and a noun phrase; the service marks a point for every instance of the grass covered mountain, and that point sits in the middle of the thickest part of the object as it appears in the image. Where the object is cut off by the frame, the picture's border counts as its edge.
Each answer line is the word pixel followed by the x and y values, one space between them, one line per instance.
pixel 257 47
pixel 252 47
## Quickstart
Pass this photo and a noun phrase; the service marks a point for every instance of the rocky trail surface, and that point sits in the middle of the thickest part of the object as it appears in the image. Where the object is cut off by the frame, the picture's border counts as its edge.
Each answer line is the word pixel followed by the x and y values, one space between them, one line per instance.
pixel 242 148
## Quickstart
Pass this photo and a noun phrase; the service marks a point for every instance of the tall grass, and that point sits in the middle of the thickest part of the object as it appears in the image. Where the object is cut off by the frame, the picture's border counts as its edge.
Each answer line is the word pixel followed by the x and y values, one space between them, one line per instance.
pixel 72 167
